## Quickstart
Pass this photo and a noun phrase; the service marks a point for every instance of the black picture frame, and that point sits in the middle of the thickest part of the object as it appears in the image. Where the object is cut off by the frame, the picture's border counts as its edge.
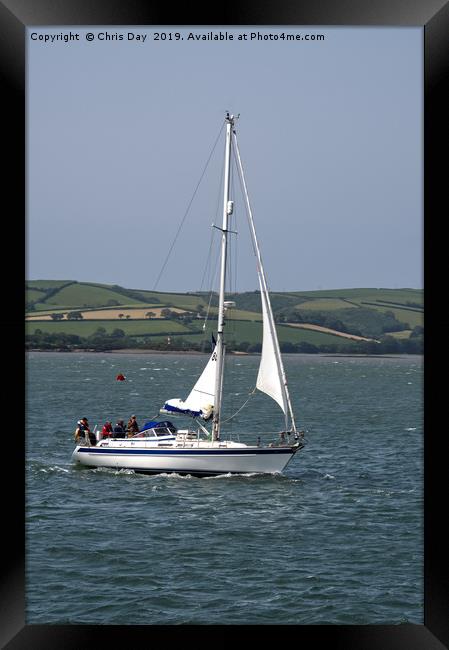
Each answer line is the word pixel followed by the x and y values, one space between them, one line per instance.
pixel 15 17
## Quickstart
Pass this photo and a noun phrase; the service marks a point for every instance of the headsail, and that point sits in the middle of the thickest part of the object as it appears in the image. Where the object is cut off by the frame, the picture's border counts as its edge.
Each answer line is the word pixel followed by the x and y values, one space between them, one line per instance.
pixel 201 400
pixel 269 379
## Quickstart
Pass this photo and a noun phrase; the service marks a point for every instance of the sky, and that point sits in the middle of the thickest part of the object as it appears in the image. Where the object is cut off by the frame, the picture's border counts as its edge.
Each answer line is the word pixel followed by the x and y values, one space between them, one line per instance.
pixel 330 132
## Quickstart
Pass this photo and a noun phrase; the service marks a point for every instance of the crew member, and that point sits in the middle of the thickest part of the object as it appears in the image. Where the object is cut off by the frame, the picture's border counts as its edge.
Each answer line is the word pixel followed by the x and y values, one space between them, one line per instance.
pixel 107 430
pixel 83 432
pixel 132 427
pixel 119 429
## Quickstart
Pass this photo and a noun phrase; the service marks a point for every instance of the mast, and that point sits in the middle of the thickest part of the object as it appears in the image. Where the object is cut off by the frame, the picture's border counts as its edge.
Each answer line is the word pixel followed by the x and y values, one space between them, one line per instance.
pixel 227 210
pixel 264 293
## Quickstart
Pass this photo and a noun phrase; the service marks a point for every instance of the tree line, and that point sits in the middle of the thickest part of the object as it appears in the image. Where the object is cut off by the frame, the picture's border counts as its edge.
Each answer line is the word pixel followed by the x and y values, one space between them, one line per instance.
pixel 101 340
pixel 359 322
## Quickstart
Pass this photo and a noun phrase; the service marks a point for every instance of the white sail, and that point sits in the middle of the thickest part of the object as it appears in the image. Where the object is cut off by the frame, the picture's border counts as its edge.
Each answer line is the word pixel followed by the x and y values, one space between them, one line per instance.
pixel 160 447
pixel 201 400
pixel 269 379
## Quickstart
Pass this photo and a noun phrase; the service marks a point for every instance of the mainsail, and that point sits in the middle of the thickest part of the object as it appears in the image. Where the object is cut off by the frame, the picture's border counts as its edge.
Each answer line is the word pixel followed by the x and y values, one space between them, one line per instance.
pixel 201 400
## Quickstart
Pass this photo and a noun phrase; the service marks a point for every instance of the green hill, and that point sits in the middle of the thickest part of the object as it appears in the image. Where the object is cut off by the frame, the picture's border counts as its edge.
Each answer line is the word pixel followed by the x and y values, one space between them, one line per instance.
pixel 325 319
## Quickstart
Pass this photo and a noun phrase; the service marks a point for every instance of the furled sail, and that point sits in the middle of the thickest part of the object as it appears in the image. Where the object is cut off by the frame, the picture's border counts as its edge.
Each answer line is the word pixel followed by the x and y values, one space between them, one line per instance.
pixel 201 400
pixel 269 378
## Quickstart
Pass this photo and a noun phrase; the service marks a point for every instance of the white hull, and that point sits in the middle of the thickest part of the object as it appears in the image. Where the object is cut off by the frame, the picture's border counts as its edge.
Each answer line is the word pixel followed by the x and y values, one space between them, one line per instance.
pixel 160 448
pixel 199 460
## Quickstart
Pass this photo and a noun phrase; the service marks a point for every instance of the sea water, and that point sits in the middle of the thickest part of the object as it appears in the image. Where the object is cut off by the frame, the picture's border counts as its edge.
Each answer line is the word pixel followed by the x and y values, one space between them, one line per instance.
pixel 336 539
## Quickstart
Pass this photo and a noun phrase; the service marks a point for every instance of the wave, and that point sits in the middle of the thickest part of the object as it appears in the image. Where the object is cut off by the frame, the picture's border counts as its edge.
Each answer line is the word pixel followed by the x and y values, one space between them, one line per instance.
pixel 37 467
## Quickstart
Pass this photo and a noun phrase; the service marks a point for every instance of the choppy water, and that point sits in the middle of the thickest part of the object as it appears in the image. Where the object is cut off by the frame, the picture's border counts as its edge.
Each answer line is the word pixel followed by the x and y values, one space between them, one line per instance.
pixel 338 538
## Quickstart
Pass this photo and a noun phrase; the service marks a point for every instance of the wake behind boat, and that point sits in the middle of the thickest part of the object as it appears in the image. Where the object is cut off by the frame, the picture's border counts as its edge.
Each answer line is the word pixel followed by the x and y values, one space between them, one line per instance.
pixel 161 447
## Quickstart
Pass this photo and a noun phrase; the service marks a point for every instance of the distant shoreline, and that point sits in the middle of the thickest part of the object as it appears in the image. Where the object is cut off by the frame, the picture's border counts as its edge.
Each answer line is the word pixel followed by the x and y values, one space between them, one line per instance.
pixel 241 354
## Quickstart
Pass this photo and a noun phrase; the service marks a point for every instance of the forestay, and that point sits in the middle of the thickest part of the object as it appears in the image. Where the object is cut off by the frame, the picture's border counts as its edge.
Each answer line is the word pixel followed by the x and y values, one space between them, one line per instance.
pixel 271 378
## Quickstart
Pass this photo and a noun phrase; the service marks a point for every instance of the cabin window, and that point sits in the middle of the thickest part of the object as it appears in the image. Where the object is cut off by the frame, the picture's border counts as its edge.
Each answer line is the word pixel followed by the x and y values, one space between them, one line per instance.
pixel 162 432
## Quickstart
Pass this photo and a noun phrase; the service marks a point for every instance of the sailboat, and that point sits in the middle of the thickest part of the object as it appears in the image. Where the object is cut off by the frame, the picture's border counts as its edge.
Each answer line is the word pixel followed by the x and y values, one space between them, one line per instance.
pixel 161 447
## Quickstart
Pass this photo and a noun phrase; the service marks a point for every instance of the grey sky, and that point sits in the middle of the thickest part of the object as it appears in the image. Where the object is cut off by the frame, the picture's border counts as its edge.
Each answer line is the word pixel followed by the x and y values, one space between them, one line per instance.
pixel 330 134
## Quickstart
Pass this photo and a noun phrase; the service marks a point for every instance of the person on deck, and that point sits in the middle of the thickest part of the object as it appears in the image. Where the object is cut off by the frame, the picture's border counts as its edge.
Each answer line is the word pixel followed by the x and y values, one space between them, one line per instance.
pixel 83 432
pixel 119 429
pixel 107 430
pixel 132 427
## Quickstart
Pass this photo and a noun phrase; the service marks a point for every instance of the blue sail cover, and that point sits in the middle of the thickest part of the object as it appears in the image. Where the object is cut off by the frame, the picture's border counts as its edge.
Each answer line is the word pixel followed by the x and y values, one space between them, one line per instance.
pixel 155 424
pixel 175 409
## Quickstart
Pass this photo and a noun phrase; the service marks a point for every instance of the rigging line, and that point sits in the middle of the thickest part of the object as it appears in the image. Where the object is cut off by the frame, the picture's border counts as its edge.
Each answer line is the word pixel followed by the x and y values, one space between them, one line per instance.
pixel 208 266
pixel 213 271
pixel 236 247
pixel 187 211
pixel 232 227
pixel 243 193
pixel 228 286
pixel 242 406
pixel 211 293
pixel 265 296
pixel 209 258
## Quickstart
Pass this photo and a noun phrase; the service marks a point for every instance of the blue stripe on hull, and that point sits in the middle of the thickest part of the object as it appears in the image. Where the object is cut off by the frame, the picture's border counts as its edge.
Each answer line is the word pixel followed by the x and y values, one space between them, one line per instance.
pixel 181 452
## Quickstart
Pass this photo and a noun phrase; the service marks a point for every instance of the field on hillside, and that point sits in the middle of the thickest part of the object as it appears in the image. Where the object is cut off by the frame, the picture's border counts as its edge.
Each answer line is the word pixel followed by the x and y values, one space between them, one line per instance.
pixel 317 328
pixel 129 327
pixel 252 333
pixel 413 318
pixel 84 295
pixel 43 285
pixel 34 295
pixel 239 332
pixel 398 295
pixel 109 306
pixel 181 300
pixel 325 304
pixel 110 313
